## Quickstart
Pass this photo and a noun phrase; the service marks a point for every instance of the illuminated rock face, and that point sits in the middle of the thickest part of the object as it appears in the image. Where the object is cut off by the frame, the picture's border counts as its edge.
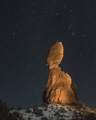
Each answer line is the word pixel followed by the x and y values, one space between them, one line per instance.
pixel 59 88
pixel 55 55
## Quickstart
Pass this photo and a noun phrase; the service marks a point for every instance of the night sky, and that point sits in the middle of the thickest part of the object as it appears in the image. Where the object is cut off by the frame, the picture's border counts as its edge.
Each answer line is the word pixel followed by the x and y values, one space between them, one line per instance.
pixel 28 28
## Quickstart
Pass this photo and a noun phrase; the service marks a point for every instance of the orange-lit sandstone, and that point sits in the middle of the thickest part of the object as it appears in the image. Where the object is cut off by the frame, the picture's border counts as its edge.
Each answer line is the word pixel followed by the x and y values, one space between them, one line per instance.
pixel 59 88
pixel 55 55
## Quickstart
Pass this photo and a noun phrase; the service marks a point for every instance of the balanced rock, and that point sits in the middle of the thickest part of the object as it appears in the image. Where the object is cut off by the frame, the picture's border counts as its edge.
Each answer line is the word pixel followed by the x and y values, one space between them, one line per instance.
pixel 59 88
pixel 55 55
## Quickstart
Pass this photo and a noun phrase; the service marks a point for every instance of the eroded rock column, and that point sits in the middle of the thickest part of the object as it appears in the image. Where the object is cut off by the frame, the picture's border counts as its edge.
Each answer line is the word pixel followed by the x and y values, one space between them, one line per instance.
pixel 59 88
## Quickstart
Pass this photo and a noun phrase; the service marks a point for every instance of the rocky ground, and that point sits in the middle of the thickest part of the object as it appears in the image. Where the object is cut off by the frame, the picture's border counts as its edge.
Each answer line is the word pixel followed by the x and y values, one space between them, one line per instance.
pixel 56 112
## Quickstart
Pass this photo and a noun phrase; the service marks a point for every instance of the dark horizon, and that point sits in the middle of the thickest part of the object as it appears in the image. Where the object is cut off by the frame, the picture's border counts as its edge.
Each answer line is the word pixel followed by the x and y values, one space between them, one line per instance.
pixel 27 30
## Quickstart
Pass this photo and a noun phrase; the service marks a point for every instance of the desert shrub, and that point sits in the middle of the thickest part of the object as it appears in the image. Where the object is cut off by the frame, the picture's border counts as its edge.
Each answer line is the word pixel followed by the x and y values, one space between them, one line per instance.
pixel 81 105
pixel 52 107
pixel 16 114
pixel 45 105
pixel 57 115
pixel 78 116
pixel 45 109
pixel 90 116
pixel 37 111
pixel 61 110
pixel 28 110
pixel 20 107
pixel 69 109
pixel 29 118
pixel 4 111
pixel 20 118
pixel 35 108
pixel 12 117
pixel 44 118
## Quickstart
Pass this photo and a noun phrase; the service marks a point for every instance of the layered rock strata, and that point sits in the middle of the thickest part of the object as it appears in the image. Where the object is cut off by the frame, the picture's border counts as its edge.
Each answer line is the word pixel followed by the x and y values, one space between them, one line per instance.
pixel 59 88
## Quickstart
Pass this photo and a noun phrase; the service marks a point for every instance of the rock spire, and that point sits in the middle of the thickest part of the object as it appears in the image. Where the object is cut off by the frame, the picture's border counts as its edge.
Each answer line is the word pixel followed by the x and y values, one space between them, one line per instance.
pixel 59 88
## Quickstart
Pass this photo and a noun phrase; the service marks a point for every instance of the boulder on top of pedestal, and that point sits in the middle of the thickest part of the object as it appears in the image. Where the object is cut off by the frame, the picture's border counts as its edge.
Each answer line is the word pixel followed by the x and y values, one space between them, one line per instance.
pixel 59 88
pixel 55 55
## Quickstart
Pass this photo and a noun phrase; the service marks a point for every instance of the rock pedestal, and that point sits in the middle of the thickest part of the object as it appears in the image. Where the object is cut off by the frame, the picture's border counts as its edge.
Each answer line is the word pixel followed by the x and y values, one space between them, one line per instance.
pixel 59 88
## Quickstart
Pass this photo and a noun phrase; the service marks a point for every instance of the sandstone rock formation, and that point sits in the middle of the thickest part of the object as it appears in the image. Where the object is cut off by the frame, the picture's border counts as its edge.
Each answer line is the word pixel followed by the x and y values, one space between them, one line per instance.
pixel 59 88
pixel 55 55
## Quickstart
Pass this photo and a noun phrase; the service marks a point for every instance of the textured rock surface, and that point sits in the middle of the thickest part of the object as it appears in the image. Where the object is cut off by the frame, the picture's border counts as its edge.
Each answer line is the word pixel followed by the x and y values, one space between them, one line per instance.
pixel 55 55
pixel 59 88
